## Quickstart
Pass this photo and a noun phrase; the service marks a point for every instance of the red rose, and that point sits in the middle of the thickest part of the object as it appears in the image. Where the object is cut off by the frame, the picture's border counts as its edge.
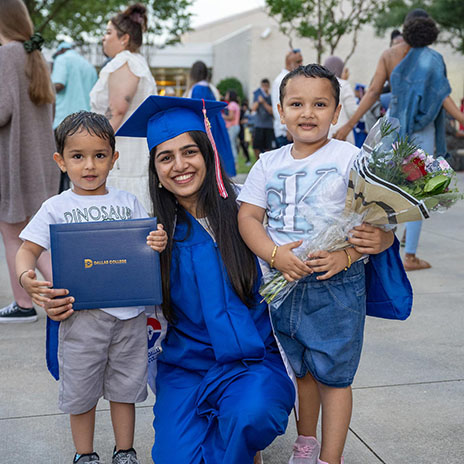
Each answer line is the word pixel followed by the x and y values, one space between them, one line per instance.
pixel 415 169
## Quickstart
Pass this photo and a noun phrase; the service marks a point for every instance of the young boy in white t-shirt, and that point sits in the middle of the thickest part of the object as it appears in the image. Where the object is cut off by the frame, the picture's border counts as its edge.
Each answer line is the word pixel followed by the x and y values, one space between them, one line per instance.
pixel 102 352
pixel 320 325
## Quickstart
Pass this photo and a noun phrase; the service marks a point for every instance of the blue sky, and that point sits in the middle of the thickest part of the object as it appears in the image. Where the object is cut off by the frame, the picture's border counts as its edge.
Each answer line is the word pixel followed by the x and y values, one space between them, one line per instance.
pixel 206 11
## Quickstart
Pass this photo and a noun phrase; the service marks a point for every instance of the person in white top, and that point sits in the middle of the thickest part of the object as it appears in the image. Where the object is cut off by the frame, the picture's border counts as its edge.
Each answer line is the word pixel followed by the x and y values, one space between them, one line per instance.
pixel 102 352
pixel 123 84
pixel 293 59
pixel 347 97
pixel 320 325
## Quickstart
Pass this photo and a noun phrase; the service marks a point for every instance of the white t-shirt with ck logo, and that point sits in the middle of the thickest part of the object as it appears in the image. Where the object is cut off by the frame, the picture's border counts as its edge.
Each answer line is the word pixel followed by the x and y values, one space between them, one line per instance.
pixel 68 207
pixel 300 194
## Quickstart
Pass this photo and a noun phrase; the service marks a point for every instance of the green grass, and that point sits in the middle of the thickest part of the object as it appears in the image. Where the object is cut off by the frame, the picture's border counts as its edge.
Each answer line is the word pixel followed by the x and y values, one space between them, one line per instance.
pixel 242 168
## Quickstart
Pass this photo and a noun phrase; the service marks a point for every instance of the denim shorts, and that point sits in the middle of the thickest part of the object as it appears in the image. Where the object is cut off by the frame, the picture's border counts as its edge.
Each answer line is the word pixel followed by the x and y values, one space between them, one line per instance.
pixel 320 326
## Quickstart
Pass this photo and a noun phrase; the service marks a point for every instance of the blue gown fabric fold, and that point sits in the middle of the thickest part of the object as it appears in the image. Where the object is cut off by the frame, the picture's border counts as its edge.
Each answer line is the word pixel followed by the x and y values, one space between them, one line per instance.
pixel 388 290
pixel 51 346
pixel 219 130
pixel 222 389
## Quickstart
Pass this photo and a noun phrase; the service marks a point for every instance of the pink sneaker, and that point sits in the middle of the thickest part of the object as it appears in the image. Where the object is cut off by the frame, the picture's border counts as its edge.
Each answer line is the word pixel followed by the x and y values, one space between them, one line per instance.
pixel 305 450
pixel 342 461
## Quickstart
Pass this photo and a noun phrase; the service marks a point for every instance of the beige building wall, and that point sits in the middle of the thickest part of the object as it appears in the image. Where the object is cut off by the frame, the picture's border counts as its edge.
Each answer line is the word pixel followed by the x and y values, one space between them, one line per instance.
pixel 231 56
pixel 262 49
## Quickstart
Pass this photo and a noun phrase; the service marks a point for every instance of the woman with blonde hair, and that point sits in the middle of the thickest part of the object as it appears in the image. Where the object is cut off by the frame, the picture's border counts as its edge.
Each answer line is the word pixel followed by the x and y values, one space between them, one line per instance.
pixel 122 86
pixel 28 174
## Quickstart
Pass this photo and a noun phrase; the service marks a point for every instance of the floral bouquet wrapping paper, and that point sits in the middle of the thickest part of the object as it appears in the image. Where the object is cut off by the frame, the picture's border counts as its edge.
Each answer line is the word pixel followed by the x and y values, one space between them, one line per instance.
pixel 392 181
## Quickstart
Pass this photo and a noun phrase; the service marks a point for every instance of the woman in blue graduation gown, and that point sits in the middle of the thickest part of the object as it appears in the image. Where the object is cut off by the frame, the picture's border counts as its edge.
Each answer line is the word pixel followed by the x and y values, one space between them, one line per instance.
pixel 222 391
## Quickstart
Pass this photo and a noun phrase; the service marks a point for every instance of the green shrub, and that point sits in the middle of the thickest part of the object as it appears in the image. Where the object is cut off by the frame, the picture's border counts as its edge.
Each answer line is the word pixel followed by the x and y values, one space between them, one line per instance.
pixel 231 83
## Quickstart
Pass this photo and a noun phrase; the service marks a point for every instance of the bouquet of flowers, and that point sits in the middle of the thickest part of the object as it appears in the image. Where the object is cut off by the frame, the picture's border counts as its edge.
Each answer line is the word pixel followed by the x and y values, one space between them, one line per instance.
pixel 392 181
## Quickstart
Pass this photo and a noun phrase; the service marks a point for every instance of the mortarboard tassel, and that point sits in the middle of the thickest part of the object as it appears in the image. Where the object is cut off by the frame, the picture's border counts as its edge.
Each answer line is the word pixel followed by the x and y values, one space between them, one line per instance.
pixel 217 163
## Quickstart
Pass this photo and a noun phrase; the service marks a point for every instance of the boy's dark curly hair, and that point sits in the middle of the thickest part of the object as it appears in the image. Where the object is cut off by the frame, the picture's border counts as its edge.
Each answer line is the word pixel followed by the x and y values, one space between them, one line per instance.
pixel 420 31
pixel 312 70
pixel 92 123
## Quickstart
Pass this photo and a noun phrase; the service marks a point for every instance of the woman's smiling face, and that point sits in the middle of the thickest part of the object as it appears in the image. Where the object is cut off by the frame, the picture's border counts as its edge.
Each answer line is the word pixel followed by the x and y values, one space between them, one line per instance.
pixel 181 169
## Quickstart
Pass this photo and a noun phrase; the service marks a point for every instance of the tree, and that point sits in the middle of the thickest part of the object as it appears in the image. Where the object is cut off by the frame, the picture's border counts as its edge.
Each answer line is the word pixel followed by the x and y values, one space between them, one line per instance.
pixel 449 14
pixel 84 19
pixel 324 22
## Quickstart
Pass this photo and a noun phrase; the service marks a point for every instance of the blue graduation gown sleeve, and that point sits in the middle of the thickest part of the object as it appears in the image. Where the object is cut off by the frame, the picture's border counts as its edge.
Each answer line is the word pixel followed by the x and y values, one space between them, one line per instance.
pixel 232 331
pixel 207 305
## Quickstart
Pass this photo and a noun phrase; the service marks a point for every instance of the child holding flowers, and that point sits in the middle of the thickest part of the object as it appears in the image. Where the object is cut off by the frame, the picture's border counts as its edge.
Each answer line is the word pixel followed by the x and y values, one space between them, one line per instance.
pixel 320 325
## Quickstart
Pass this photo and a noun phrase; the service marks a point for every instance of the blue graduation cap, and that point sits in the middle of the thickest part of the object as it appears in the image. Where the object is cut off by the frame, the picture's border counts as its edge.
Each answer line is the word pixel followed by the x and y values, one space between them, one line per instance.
pixel 161 118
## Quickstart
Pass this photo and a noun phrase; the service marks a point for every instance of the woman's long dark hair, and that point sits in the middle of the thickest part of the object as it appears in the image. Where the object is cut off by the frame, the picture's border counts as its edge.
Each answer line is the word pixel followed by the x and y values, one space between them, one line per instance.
pixel 222 213
pixel 198 72
pixel 233 95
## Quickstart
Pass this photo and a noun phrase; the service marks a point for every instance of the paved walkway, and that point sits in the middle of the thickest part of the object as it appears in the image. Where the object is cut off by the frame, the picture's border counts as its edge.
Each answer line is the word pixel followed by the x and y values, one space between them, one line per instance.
pixel 408 393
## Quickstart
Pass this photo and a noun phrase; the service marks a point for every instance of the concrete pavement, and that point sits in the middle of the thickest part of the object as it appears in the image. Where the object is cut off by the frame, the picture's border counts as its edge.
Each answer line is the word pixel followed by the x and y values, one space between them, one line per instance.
pixel 408 393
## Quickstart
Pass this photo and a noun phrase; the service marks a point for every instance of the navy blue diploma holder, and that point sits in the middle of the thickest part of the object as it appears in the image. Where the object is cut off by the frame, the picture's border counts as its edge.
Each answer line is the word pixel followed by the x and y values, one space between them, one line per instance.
pixel 106 264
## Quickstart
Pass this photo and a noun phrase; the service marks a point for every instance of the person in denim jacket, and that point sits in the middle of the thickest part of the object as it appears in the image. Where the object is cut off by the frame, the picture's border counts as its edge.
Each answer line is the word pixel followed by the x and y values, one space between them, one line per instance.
pixel 420 94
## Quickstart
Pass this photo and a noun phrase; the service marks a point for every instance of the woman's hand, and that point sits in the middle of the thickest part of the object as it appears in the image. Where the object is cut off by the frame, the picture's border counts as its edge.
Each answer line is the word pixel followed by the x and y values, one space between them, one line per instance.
pixel 57 308
pixel 291 267
pixel 329 262
pixel 370 240
pixel 343 132
pixel 36 289
pixel 158 239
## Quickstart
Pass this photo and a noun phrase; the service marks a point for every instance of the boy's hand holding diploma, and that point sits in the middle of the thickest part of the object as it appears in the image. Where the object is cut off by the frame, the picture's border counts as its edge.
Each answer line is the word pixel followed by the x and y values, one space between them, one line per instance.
pixel 56 307
pixel 55 301
pixel 36 289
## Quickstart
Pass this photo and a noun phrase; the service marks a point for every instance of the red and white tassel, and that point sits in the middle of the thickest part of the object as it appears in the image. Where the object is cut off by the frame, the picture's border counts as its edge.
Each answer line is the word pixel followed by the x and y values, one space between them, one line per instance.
pixel 217 162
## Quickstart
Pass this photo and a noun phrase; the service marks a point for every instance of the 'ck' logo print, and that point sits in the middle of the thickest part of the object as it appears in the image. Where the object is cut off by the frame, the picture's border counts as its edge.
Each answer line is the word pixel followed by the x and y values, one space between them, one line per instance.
pixel 283 203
